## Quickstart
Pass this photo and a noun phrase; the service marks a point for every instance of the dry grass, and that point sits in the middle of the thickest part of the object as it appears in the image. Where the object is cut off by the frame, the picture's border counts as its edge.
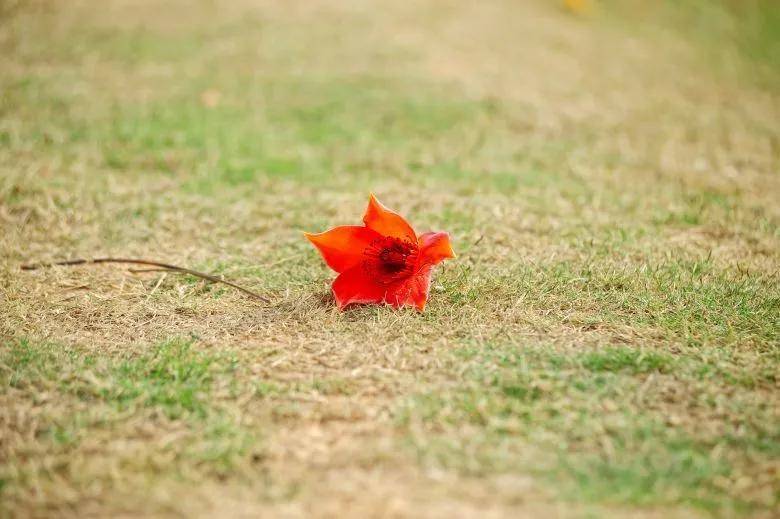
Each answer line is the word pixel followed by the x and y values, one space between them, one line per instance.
pixel 605 344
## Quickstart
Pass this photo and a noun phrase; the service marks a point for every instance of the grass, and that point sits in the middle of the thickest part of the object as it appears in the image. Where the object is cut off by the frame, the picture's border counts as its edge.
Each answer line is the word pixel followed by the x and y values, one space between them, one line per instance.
pixel 739 35
pixel 170 383
pixel 605 344
pixel 598 424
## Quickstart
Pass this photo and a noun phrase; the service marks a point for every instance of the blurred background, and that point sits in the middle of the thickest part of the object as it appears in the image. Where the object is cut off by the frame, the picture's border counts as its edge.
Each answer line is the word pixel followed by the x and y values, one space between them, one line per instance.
pixel 212 94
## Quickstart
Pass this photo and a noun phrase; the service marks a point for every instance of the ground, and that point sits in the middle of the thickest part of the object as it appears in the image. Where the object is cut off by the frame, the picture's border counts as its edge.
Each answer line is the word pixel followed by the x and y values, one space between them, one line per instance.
pixel 605 343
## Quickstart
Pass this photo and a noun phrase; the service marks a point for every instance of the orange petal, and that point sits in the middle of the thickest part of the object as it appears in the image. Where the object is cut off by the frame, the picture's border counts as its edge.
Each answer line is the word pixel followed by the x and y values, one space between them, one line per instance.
pixel 356 286
pixel 342 247
pixel 386 222
pixel 434 248
pixel 413 291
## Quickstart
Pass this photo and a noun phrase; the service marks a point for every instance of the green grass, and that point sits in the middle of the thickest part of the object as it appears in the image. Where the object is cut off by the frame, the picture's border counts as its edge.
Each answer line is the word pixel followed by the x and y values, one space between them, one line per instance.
pixel 631 360
pixel 170 383
pixel 689 301
pixel 597 424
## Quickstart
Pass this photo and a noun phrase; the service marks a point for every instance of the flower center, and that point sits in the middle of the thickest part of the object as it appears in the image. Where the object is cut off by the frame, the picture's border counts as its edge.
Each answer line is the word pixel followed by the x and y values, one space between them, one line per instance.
pixel 389 259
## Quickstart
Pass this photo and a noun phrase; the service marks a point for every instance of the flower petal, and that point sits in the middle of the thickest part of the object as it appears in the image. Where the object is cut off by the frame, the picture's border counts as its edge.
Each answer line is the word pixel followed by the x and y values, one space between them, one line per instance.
pixel 342 247
pixel 386 222
pixel 356 286
pixel 434 248
pixel 413 291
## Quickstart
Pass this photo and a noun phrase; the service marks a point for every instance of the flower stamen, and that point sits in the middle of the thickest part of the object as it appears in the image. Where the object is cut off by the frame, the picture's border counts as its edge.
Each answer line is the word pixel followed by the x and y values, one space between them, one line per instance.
pixel 389 259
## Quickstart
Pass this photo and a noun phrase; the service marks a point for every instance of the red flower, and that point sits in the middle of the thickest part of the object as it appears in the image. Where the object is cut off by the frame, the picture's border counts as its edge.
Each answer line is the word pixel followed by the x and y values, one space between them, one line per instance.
pixel 383 260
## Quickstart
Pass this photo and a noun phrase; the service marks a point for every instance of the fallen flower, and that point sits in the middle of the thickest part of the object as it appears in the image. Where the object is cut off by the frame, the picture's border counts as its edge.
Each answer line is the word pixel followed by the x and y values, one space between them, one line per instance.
pixel 382 261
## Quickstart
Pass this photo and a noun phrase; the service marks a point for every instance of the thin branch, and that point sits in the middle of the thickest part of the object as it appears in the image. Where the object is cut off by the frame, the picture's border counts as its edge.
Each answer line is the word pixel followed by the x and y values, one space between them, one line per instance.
pixel 165 266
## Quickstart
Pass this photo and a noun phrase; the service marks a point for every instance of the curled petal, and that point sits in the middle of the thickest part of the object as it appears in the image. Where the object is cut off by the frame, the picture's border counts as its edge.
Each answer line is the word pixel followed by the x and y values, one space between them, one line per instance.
pixel 434 248
pixel 342 247
pixel 386 222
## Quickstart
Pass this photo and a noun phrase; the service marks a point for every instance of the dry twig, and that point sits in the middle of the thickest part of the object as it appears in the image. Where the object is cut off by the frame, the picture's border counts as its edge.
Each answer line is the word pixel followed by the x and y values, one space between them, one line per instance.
pixel 164 266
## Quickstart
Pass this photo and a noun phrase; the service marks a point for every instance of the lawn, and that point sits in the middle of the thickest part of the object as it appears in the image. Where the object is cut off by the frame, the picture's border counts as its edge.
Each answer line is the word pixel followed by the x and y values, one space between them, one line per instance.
pixel 605 344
